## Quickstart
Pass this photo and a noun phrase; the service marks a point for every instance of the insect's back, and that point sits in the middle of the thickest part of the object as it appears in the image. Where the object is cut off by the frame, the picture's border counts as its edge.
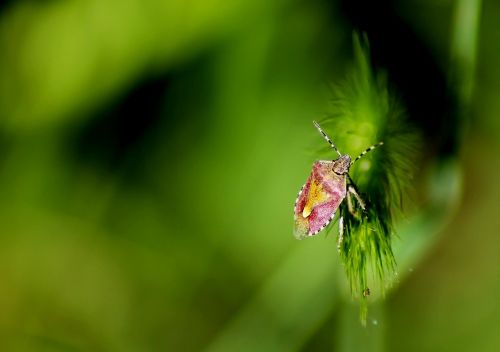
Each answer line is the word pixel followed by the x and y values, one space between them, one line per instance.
pixel 318 199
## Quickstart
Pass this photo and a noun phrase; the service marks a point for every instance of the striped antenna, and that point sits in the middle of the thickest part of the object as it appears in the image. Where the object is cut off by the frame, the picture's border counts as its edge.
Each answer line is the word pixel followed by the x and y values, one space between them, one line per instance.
pixel 326 137
pixel 368 150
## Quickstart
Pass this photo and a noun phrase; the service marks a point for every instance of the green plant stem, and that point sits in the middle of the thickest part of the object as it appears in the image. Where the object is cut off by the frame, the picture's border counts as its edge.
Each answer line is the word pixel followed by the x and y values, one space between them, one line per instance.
pixel 355 337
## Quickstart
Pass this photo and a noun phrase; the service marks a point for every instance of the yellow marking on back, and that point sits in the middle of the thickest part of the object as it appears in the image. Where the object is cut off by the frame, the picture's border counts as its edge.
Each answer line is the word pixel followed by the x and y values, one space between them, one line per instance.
pixel 316 196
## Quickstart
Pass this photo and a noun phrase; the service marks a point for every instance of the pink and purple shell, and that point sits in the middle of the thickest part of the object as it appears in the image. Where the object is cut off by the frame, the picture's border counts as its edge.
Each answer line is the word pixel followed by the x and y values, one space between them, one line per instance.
pixel 318 199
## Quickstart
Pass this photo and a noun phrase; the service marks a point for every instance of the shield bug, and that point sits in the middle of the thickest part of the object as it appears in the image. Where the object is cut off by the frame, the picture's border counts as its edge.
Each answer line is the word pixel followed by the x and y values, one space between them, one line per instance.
pixel 325 189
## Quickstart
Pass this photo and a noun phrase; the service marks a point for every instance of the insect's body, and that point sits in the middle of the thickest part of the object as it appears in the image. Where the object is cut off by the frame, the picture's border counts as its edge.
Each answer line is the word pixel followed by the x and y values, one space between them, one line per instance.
pixel 323 192
pixel 319 198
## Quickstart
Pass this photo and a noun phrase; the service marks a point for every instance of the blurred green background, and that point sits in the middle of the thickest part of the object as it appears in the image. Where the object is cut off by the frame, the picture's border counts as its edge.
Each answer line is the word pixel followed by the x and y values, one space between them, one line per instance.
pixel 151 152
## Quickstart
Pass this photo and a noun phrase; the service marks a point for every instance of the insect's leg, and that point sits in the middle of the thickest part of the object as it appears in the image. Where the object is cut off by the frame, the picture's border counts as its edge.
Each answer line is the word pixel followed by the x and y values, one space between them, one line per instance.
pixel 326 137
pixel 352 190
pixel 341 233
pixel 367 150
pixel 350 206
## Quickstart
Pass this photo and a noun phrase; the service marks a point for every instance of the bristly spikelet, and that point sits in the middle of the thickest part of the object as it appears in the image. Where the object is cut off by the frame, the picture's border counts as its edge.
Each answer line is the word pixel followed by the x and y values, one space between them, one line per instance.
pixel 363 112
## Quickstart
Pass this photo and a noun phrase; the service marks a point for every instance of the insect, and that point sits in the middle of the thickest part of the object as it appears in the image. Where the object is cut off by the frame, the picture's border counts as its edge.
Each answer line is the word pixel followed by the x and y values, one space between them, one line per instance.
pixel 325 189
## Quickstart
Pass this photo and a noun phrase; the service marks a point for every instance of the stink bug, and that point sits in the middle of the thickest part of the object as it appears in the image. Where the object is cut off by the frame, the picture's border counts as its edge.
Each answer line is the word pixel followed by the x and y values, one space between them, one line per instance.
pixel 327 186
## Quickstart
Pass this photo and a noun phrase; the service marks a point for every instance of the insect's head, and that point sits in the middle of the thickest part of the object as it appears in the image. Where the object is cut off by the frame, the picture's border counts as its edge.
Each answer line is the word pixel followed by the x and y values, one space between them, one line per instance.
pixel 342 164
